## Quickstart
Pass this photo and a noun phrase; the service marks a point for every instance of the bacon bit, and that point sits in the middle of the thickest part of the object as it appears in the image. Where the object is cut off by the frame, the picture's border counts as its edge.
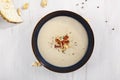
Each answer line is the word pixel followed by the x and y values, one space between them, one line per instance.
pixel 43 3
pixel 57 41
pixel 19 11
pixel 57 46
pixel 37 64
pixel 62 42
pixel 65 37
pixel 66 42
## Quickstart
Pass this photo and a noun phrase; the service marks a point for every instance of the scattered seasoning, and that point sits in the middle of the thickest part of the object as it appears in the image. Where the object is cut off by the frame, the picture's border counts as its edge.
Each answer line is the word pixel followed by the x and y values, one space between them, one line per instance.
pixel 113 29
pixel 75 43
pixel 82 7
pixel 85 0
pixel 51 46
pixel 51 43
pixel 97 6
pixel 63 52
pixel 70 32
pixel 52 37
pixel 106 21
pixel 82 2
pixel 73 53
pixel 58 50
pixel 77 4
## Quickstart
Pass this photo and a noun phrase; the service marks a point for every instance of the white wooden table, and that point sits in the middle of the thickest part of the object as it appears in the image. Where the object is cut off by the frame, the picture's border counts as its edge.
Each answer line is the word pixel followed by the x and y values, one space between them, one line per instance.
pixel 16 55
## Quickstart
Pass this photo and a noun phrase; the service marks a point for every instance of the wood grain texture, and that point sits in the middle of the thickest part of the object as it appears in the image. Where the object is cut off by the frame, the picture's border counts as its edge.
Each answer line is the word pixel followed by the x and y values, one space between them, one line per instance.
pixel 16 55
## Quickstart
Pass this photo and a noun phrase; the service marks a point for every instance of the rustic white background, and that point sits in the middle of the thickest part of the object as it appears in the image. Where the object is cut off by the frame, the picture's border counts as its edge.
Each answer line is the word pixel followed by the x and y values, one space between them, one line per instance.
pixel 16 55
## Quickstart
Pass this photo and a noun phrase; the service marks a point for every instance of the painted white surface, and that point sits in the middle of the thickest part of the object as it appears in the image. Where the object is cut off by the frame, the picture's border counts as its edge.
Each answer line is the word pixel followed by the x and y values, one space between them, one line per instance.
pixel 57 27
pixel 16 55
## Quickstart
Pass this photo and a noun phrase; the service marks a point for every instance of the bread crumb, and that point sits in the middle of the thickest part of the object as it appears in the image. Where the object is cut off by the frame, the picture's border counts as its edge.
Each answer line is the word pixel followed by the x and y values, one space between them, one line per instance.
pixel 25 6
pixel 82 7
pixel 97 6
pixel 82 2
pixel 19 11
pixel 36 64
pixel 106 21
pixel 7 1
pixel 44 3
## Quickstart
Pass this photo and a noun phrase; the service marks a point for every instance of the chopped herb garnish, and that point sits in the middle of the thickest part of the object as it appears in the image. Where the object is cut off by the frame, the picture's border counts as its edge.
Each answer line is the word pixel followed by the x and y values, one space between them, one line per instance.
pixel 77 4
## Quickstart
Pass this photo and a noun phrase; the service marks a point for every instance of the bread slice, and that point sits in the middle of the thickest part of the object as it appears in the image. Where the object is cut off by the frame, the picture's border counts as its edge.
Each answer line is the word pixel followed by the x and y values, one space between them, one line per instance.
pixel 8 11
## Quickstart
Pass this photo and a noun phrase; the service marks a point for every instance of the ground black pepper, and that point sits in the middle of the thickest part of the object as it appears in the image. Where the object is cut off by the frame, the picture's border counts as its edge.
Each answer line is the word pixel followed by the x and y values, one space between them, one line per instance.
pixel 82 2
pixel 82 7
pixel 77 4
pixel 97 6
pixel 113 28
pixel 106 21
pixel 70 32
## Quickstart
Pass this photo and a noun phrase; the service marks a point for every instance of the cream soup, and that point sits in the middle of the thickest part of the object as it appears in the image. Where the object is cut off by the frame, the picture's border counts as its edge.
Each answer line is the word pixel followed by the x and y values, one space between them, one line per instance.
pixel 62 54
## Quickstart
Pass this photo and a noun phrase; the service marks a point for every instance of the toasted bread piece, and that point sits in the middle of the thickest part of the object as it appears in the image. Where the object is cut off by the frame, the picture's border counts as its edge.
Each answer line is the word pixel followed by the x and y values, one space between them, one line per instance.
pixel 8 11
pixel 44 3
pixel 25 6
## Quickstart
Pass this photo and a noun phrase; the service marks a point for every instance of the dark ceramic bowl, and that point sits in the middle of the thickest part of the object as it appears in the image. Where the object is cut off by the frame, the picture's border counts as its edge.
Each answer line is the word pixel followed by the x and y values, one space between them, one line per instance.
pixel 90 41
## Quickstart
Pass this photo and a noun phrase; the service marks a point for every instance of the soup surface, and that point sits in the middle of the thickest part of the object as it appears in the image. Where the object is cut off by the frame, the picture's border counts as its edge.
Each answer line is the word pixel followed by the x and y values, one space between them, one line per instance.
pixel 62 41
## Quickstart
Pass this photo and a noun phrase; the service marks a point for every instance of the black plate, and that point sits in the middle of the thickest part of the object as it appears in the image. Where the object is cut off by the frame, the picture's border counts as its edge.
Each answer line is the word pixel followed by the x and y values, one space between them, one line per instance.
pixel 90 41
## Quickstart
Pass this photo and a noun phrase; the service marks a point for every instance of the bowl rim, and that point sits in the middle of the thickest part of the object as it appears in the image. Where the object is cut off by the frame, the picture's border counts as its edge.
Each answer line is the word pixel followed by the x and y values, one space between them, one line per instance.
pixel 88 51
